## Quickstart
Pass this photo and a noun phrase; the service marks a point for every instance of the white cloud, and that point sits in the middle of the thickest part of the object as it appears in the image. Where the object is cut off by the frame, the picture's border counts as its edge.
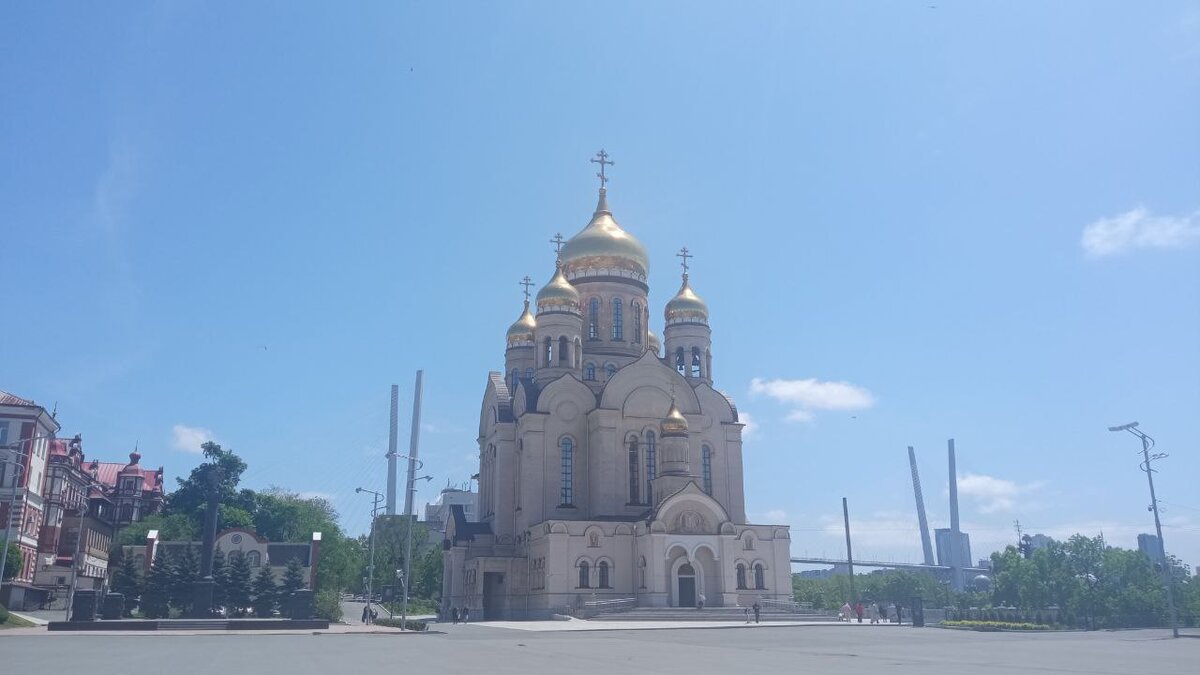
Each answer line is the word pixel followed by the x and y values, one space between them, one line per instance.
pixel 809 395
pixel 189 439
pixel 992 494
pixel 751 428
pixel 1139 229
pixel 776 516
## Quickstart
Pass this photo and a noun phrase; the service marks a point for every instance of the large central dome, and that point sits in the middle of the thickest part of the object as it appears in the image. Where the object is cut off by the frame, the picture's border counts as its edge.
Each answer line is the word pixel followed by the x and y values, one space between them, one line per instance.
pixel 604 249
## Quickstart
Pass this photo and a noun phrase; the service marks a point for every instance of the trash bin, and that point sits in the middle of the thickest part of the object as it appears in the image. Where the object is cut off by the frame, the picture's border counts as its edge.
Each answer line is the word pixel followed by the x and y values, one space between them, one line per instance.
pixel 83 606
pixel 918 612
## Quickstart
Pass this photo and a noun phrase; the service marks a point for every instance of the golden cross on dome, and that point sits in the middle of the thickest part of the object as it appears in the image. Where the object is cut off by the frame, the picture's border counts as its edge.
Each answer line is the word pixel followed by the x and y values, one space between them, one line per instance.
pixel 601 158
pixel 683 253
pixel 526 282
pixel 558 242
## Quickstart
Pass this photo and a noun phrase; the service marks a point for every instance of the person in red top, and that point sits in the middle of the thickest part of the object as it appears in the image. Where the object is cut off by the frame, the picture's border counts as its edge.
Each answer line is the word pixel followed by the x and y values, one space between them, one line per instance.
pixel 858 611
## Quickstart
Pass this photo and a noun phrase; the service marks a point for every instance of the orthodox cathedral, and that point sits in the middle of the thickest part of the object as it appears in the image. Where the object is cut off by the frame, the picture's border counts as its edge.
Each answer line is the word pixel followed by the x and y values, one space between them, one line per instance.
pixel 610 469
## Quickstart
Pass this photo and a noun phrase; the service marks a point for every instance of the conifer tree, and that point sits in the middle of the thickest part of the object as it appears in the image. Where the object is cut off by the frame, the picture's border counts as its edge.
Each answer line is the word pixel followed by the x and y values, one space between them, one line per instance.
pixel 293 578
pixel 127 582
pixel 238 585
pixel 266 593
pixel 185 569
pixel 220 575
pixel 156 597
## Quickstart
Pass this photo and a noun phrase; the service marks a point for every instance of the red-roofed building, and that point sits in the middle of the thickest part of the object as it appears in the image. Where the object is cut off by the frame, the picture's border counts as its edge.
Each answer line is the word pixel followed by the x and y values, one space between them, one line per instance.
pixel 26 430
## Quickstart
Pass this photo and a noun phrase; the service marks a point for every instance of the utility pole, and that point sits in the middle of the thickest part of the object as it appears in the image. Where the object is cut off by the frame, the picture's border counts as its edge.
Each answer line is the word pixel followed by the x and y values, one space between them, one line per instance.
pixel 849 553
pixel 1147 459
pixel 375 499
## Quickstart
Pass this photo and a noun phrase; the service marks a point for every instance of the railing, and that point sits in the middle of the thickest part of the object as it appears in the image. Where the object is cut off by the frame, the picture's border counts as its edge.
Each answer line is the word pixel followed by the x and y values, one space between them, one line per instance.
pixel 590 608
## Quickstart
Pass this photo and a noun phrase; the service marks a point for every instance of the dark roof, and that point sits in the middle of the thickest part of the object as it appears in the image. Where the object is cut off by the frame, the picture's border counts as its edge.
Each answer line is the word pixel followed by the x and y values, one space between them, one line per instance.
pixel 465 530
pixel 281 554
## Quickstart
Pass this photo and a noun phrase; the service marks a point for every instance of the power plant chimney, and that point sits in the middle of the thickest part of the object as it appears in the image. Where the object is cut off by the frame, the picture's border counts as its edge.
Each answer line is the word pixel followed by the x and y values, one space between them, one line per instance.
pixel 391 453
pixel 926 545
pixel 953 492
pixel 412 447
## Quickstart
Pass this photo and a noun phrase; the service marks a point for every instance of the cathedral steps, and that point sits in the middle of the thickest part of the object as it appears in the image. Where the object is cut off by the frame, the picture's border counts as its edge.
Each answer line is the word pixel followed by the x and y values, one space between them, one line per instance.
pixel 730 614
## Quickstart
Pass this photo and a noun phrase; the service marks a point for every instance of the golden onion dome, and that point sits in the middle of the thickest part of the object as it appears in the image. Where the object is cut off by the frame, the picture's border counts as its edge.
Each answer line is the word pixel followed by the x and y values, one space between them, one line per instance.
pixel 603 248
pixel 652 342
pixel 686 306
pixel 674 424
pixel 522 328
pixel 558 294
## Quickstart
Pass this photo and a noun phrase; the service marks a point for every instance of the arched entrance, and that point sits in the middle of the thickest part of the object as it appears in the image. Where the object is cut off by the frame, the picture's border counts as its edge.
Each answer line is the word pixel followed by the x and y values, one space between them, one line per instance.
pixel 685 585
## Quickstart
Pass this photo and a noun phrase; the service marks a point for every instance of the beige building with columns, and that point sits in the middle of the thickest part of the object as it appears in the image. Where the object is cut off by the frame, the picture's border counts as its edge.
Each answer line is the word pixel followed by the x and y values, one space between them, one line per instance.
pixel 609 469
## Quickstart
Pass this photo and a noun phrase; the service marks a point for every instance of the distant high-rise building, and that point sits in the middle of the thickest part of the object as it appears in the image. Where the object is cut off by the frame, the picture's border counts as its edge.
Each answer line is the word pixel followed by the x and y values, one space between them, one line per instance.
pixel 950 552
pixel 1148 544
pixel 437 513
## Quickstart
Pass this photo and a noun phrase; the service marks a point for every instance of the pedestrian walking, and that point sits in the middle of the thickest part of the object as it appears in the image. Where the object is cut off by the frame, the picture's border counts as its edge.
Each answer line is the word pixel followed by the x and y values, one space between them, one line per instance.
pixel 873 612
pixel 454 615
pixel 374 616
pixel 366 614
pixel 466 614
pixel 746 610
pixel 846 612
pixel 858 611
pixel 757 609
pixel 700 601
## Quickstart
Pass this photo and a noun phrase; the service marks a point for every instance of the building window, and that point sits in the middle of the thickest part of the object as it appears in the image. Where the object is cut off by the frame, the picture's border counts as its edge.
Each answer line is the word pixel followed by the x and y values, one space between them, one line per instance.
pixel 695 362
pixel 760 581
pixel 584 575
pixel 515 376
pixel 636 308
pixel 609 371
pixel 651 465
pixel 706 465
pixel 548 353
pixel 679 364
pixel 564 351
pixel 603 569
pixel 529 372
pixel 634 481
pixel 567 496
pixel 594 319
pixel 741 576
pixel 589 371
pixel 254 558
pixel 618 320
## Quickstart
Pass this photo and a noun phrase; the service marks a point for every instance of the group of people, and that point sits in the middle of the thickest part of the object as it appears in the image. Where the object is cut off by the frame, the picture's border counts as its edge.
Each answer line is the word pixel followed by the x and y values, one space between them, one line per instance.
pixel 464 615
pixel 875 611
pixel 369 614
pixel 757 610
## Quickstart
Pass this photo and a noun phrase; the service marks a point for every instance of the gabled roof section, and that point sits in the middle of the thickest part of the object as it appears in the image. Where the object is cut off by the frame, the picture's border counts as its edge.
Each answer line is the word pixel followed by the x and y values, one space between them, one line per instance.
pixel 462 529
pixel 11 399
pixel 504 411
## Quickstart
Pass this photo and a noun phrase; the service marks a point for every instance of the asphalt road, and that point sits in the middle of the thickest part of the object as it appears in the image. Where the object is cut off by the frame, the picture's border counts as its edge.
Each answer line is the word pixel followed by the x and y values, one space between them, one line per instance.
pixel 479 648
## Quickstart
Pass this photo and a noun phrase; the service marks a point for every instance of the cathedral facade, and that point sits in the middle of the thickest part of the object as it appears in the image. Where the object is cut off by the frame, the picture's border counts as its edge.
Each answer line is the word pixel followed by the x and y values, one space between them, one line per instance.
pixel 610 469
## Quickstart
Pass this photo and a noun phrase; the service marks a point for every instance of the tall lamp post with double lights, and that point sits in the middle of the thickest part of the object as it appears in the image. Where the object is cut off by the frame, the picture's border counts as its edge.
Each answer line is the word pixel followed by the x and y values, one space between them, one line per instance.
pixel 19 471
pixel 412 520
pixel 1147 460
pixel 376 498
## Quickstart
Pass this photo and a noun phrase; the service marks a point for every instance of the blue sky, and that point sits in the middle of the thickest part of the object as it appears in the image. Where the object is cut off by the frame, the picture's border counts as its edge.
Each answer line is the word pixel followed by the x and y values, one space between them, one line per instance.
pixel 911 223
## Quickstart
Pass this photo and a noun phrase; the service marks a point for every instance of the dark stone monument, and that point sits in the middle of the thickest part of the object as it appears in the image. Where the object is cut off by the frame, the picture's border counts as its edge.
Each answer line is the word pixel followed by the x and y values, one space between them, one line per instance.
pixel 83 606
pixel 301 605
pixel 114 606
pixel 918 612
pixel 202 597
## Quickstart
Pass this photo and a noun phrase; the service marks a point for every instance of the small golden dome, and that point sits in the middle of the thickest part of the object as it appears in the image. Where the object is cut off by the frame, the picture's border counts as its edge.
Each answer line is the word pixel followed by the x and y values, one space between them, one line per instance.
pixel 558 293
pixel 675 424
pixel 522 328
pixel 652 342
pixel 604 246
pixel 686 306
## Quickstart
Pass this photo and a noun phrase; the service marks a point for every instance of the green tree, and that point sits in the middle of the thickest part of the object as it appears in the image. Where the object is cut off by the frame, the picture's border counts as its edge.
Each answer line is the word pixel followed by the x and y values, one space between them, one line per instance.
pixel 156 597
pixel 238 588
pixel 266 593
pixel 220 575
pixel 427 574
pixel 185 570
pixel 127 581
pixel 12 564
pixel 293 579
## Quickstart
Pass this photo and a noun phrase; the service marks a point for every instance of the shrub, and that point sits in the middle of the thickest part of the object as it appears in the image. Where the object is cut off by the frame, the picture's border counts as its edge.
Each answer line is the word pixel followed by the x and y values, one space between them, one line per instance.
pixel 329 605
pixel 395 623
pixel 3 614
pixel 995 625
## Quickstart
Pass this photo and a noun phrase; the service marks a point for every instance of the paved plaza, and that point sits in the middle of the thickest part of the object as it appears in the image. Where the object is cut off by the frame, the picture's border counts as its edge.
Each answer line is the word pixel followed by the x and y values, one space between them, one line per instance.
pixel 485 648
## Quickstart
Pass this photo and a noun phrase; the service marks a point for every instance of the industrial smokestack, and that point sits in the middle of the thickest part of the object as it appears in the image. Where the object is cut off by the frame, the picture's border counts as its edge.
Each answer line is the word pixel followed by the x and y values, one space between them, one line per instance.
pixel 926 545
pixel 953 493
pixel 412 446
pixel 391 453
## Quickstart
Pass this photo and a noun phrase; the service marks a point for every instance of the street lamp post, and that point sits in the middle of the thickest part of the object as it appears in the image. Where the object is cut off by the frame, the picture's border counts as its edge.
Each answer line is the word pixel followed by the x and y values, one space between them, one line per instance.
pixel 83 509
pixel 412 520
pixel 376 498
pixel 1147 459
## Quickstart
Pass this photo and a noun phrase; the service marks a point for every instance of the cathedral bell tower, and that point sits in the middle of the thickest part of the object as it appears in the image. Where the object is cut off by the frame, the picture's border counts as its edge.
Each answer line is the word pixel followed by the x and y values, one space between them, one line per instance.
pixel 675 456
pixel 558 330
pixel 687 335
pixel 520 355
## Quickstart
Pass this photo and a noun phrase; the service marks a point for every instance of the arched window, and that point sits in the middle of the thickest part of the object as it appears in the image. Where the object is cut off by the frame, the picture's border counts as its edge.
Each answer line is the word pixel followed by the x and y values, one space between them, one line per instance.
pixel 548 353
pixel 679 363
pixel 584 575
pixel 609 371
pixel 634 481
pixel 706 466
pixel 589 371
pixel 760 581
pixel 695 362
pixel 651 465
pixel 602 568
pixel 594 319
pixel 618 324
pixel 741 576
pixel 636 308
pixel 529 372
pixel 516 374
pixel 563 350
pixel 253 558
pixel 567 494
